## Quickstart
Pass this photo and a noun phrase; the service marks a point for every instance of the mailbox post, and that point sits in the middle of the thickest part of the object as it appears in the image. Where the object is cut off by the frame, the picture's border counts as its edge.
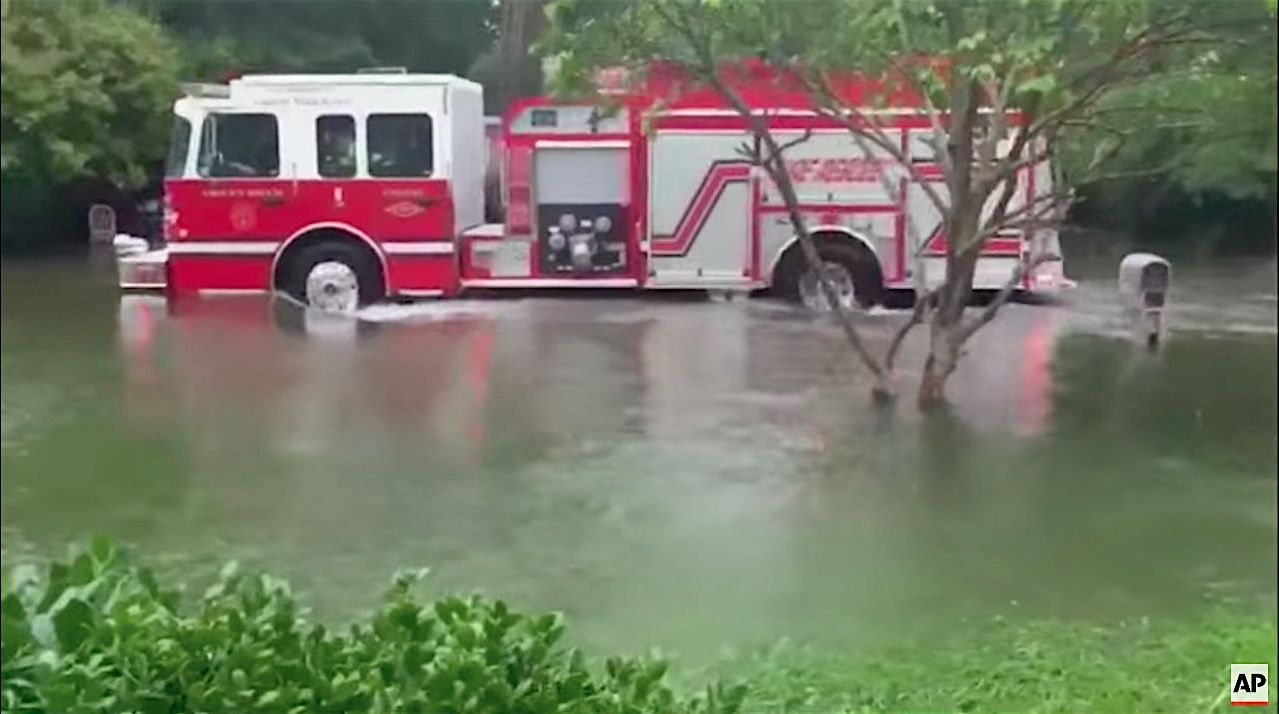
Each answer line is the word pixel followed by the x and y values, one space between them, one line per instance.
pixel 1144 280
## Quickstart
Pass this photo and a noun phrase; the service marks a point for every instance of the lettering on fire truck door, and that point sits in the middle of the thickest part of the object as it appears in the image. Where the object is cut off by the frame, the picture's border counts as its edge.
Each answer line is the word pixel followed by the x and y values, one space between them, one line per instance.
pixel 700 210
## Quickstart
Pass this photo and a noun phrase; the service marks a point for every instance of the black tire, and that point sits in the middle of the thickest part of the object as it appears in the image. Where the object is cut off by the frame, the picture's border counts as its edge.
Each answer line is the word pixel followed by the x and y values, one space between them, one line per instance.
pixel 867 280
pixel 364 266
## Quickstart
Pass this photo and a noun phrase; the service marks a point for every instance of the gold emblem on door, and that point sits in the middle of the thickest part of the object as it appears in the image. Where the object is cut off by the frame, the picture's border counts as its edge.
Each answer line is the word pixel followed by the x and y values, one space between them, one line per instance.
pixel 404 209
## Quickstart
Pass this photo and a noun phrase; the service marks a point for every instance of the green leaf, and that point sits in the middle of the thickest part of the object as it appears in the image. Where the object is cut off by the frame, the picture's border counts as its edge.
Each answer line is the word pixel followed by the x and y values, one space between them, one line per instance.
pixel 72 624
pixel 1042 84
pixel 103 549
pixel 15 634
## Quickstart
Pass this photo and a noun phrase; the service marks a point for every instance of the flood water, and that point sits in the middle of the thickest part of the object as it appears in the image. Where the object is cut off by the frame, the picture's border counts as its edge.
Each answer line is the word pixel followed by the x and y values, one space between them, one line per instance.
pixel 670 472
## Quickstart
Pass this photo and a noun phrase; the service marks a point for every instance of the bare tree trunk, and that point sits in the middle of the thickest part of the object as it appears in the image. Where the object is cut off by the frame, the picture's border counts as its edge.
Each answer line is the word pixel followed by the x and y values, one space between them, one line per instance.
pixel 943 357
pixel 946 329
pixel 932 383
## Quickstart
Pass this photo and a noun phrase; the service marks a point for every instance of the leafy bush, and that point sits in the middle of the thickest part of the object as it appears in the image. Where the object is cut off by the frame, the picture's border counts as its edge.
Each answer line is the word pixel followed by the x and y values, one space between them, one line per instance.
pixel 100 634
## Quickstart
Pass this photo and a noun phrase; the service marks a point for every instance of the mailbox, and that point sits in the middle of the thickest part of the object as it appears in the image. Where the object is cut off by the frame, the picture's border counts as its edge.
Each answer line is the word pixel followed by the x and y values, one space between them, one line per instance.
pixel 101 223
pixel 1144 280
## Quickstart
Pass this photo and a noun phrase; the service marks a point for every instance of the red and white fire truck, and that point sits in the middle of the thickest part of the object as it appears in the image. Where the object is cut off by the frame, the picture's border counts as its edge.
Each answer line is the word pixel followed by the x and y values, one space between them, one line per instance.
pixel 348 189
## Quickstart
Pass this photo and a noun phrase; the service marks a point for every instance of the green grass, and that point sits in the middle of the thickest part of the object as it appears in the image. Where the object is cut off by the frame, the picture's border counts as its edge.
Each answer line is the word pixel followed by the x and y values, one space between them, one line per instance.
pixel 1176 665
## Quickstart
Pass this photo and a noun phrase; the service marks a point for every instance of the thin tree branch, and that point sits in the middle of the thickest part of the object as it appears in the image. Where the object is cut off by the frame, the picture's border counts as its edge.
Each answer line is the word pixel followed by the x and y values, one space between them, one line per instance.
pixel 1030 211
pixel 808 134
pixel 923 302
pixel 934 117
pixel 988 313
pixel 881 139
pixel 857 122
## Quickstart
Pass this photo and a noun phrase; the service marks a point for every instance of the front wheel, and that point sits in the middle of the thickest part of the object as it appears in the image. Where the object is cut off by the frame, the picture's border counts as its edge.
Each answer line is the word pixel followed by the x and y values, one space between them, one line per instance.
pixel 334 277
pixel 333 286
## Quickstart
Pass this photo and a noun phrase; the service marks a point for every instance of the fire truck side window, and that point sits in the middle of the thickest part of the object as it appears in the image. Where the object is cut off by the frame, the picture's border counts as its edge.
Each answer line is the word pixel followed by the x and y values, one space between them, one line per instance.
pixel 179 141
pixel 335 146
pixel 239 146
pixel 400 145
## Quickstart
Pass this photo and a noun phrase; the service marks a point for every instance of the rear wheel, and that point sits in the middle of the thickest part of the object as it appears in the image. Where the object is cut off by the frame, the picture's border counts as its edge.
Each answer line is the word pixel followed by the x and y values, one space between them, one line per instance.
pixel 851 272
pixel 840 278
pixel 333 276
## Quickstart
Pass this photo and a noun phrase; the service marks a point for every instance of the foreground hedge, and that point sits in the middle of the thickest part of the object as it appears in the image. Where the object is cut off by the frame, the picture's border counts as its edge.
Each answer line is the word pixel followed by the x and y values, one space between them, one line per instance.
pixel 100 634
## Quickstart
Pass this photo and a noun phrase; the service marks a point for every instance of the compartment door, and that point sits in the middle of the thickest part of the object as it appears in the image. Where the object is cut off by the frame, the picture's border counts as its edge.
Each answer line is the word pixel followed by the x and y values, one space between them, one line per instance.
pixel 582 196
pixel 700 210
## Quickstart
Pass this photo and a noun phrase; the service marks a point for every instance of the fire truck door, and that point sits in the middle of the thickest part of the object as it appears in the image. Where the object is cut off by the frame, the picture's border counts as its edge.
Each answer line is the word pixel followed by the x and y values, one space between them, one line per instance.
pixel 405 154
pixel 700 210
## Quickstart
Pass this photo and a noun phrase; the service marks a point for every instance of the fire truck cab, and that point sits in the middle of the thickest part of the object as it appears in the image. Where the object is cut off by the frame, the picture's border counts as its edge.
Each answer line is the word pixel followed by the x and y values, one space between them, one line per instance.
pixel 331 188
pixel 347 189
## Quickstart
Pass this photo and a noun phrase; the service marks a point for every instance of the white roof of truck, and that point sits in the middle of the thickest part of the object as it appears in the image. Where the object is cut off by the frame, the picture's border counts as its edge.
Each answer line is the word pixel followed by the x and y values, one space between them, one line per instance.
pixel 372 78
pixel 258 88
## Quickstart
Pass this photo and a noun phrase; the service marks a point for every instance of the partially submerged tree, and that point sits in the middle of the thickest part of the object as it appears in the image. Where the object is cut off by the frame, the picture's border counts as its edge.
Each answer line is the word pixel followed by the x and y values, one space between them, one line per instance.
pixel 1000 82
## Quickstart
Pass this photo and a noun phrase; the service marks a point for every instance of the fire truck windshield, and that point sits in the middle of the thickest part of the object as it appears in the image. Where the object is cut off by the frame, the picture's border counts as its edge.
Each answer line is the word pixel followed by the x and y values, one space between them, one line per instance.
pixel 239 146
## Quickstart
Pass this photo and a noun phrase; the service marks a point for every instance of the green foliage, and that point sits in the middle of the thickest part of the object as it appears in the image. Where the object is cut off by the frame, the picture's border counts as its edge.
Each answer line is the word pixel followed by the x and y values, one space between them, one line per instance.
pixel 1199 111
pixel 1031 42
pixel 1204 117
pixel 237 36
pixel 99 634
pixel 88 85
pixel 86 91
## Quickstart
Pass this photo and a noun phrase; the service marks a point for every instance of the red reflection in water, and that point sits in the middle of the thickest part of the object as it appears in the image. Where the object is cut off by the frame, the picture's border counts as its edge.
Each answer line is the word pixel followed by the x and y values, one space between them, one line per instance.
pixel 1034 392
pixel 479 364
pixel 420 378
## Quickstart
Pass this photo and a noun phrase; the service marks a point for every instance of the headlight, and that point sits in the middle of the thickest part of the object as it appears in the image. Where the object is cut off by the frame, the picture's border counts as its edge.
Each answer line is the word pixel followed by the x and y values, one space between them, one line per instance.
pixel 557 240
pixel 603 224
pixel 568 223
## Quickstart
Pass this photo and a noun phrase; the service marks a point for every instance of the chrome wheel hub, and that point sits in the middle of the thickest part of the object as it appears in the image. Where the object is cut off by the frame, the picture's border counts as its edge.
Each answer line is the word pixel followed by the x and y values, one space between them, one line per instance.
pixel 810 288
pixel 333 287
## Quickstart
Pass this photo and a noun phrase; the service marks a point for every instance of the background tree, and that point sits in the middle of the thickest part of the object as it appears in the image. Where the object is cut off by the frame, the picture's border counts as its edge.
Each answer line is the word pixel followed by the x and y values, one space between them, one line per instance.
pixel 510 69
pixel 239 36
pixel 1209 166
pixel 88 85
pixel 1054 63
pixel 85 92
